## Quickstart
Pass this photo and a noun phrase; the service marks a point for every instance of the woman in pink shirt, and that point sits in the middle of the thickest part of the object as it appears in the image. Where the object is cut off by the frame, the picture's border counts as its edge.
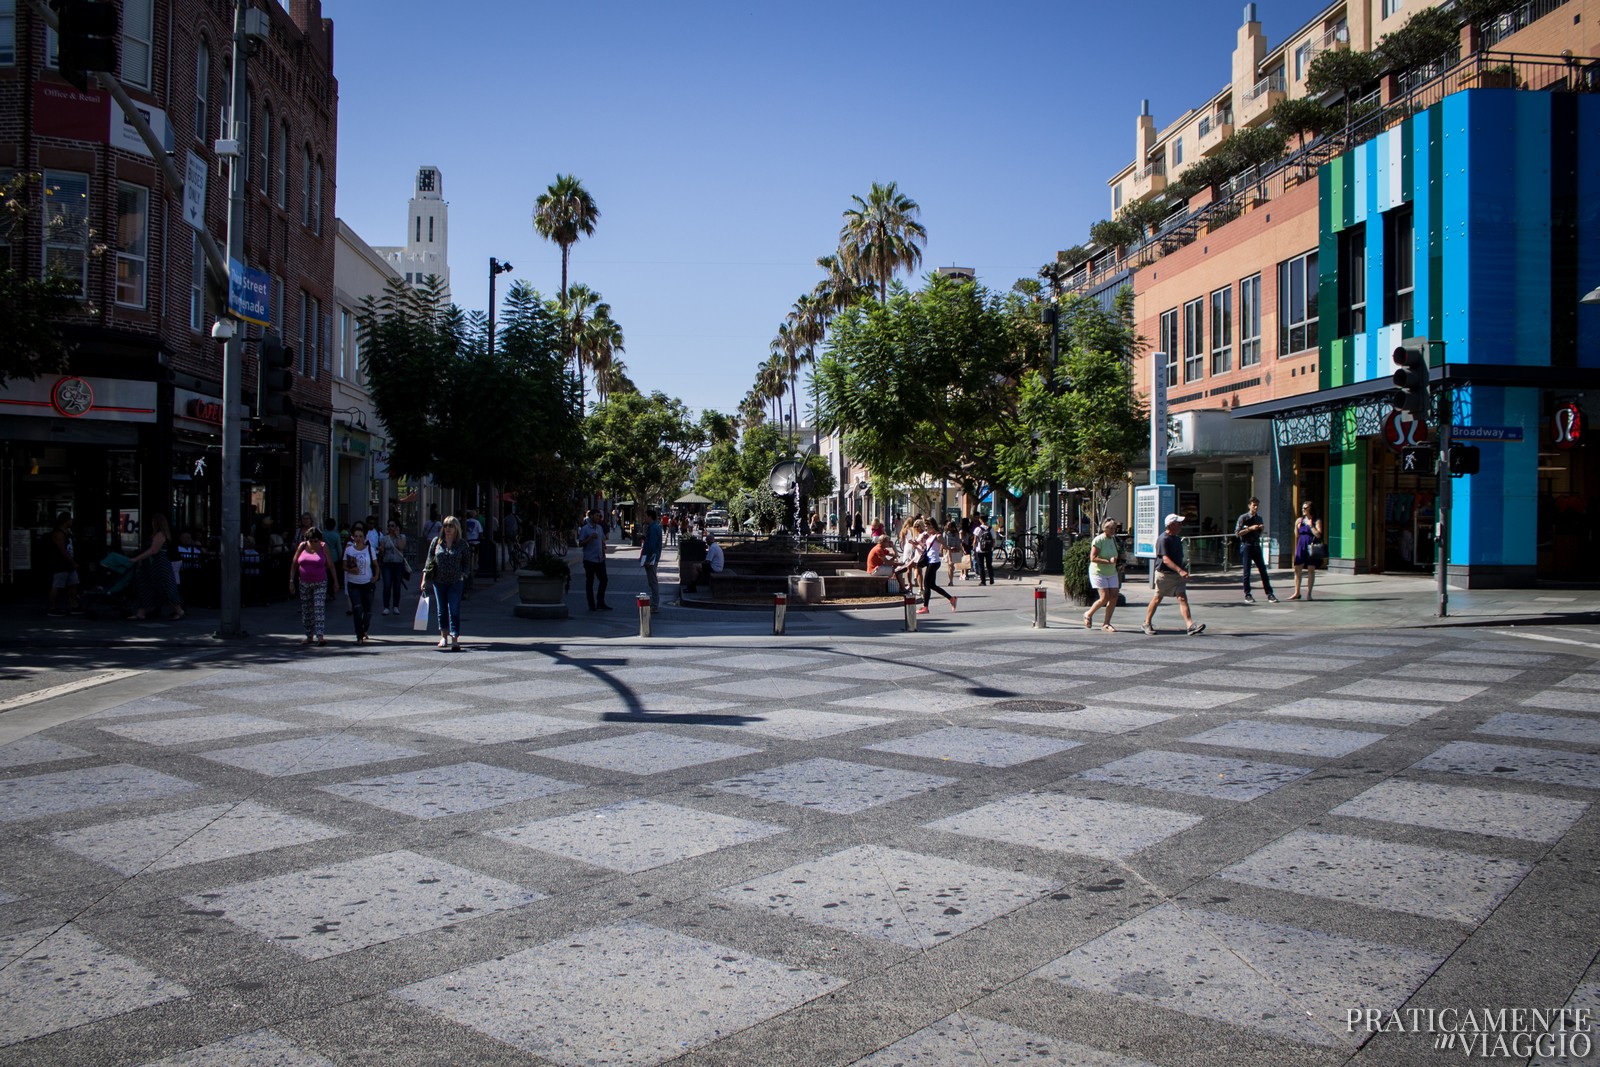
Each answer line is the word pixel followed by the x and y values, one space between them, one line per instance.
pixel 313 570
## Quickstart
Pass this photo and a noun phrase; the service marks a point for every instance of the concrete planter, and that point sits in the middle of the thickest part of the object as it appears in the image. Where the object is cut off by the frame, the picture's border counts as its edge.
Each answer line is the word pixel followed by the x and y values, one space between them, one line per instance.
pixel 541 597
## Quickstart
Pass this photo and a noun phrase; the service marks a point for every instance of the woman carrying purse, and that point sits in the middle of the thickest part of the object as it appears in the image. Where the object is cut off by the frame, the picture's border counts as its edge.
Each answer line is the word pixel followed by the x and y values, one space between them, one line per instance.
pixel 312 570
pixel 1307 536
pixel 360 568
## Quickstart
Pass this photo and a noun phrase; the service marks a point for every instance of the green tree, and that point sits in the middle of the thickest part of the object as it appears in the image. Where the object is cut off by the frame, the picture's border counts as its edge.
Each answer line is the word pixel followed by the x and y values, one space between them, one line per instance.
pixel 1346 72
pixel 1089 426
pixel 32 309
pixel 1113 233
pixel 1302 116
pixel 642 448
pixel 881 236
pixel 1428 36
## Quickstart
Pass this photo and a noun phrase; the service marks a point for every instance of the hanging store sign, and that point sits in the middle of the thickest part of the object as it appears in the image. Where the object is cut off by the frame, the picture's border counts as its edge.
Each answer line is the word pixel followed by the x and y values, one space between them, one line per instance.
pixel 1567 426
pixel 81 398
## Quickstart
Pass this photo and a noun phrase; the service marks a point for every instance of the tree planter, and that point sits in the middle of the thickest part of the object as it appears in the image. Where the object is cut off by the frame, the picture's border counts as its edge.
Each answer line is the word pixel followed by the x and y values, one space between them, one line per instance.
pixel 541 597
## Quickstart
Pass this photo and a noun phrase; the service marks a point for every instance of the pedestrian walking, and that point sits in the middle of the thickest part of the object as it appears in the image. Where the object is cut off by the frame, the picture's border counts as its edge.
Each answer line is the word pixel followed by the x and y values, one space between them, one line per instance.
pixel 433 527
pixel 1249 529
pixel 1103 557
pixel 592 540
pixel 510 531
pixel 392 551
pixel 1307 532
pixel 952 549
pixel 933 553
pixel 444 572
pixel 967 546
pixel 650 557
pixel 312 577
pixel 62 565
pixel 983 549
pixel 155 584
pixel 360 571
pixel 1172 577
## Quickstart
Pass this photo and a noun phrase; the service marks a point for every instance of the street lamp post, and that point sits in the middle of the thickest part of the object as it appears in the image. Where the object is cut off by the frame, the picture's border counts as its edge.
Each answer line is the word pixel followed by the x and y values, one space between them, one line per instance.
pixel 495 267
pixel 1052 543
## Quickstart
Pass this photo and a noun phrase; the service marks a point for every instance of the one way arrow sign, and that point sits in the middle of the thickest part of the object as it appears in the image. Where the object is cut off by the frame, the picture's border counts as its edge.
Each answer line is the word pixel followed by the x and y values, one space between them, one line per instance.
pixel 194 193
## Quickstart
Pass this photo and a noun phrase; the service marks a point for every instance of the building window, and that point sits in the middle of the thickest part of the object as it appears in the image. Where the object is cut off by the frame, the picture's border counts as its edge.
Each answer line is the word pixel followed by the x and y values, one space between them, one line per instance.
pixel 1194 340
pixel 1250 321
pixel 283 164
pixel 419 230
pixel 1116 198
pixel 1177 151
pixel 138 22
pixel 1302 61
pixel 1399 263
pixel 1169 344
pixel 66 227
pixel 278 297
pixel 305 314
pixel 243 133
pixel 266 150
pixel 1391 8
pixel 202 91
pixel 1222 331
pixel 8 220
pixel 1297 304
pixel 133 243
pixel 305 186
pixel 344 344
pixel 316 197
pixel 8 33
pixel 197 284
pixel 430 229
pixel 1352 280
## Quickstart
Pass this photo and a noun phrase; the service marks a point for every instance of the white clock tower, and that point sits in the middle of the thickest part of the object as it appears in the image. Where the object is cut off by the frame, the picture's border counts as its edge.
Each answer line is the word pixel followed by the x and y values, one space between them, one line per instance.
pixel 427 247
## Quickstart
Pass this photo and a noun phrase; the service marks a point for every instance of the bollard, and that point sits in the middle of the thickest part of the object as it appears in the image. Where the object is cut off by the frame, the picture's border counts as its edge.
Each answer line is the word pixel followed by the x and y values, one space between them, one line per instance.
pixel 1039 620
pixel 780 608
pixel 644 614
pixel 911 613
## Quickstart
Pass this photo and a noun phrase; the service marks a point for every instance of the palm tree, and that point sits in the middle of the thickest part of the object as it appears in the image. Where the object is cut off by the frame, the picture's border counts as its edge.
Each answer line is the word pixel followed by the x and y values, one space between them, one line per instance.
pixel 599 344
pixel 752 409
pixel 808 322
pixel 839 287
pixel 786 349
pixel 579 306
pixel 881 235
pixel 771 379
pixel 563 213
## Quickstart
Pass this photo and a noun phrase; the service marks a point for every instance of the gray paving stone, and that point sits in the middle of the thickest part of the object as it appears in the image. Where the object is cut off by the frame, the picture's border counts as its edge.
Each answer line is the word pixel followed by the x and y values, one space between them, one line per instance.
pixel 1581 680
pixel 1495 659
pixel 919 701
pixel 768 689
pixel 873 670
pixel 36 749
pixel 145 706
pixel 303 755
pixel 769 661
pixel 892 895
pixel 1061 822
pixel 452 790
pixel 342 661
pixel 947 659
pixel 1162 696
pixel 804 724
pixel 1567 1052
pixel 635 835
pixel 276 692
pixel 1096 720
pixel 987 748
pixel 199 728
pixel 832 785
pixel 1280 980
pixel 1455 672
pixel 1241 678
pixel 1300 661
pixel 497 727
pixel 532 690
pixel 262 1048
pixel 1003 686
pixel 660 674
pixel 1432 882
pixel 326 911
pixel 222 676
pixel 1466 809
pixel 58 978
pixel 647 752
pixel 578 1000
pixel 1522 764
pixel 1096 668
pixel 1285 737
pixel 437 676
pixel 1387 640
pixel 1565 700
pixel 175 839
pixel 1144 651
pixel 59 792
pixel 649 704
pixel 957 1039
pixel 390 707
pixel 1345 650
pixel 1389 689
pixel 1063 642
pixel 1355 711
pixel 1543 728
pixel 1205 776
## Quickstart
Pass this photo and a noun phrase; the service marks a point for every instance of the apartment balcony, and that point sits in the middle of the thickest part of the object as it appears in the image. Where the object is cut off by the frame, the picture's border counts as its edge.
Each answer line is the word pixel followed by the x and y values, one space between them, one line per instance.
pixel 1256 104
pixel 1214 129
pixel 1150 181
pixel 1336 39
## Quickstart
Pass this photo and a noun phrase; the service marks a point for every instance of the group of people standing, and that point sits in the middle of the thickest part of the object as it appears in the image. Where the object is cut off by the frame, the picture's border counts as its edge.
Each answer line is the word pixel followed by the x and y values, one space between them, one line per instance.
pixel 923 548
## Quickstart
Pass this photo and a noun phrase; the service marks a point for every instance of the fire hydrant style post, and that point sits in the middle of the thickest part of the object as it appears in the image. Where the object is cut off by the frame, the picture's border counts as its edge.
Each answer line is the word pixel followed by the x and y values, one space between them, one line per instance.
pixel 644 614
pixel 780 608
pixel 1040 621
pixel 911 613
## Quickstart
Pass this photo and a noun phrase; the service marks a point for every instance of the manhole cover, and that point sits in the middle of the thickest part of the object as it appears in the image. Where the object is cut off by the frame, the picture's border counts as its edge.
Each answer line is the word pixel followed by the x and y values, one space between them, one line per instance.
pixel 1037 705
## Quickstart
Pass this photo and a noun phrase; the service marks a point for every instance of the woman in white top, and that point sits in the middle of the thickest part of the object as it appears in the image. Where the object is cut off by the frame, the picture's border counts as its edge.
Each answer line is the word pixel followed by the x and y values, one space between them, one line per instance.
pixel 933 552
pixel 360 567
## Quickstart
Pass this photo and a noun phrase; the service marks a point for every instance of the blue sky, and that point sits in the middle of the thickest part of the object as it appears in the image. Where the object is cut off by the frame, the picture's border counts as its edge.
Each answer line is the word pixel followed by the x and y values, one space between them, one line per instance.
pixel 722 141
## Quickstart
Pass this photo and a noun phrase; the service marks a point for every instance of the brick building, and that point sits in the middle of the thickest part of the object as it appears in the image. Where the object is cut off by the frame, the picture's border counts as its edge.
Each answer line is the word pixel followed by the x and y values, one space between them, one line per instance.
pixel 132 428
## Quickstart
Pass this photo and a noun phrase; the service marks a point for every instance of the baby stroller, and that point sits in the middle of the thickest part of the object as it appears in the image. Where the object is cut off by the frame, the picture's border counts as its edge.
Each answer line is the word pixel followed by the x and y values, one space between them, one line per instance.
pixel 110 589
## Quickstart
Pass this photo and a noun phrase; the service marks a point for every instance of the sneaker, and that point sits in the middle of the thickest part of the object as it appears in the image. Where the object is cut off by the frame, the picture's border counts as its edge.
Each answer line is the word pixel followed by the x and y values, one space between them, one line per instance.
pixel 443 643
pixel 922 610
pixel 1248 599
pixel 1271 599
pixel 1150 631
pixel 1197 628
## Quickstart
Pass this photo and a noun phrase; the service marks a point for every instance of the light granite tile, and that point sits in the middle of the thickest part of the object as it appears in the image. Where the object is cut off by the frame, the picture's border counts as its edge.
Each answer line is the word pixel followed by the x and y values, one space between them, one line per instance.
pixel 968 1038
pixel 1165 696
pixel 35 749
pixel 1061 822
pixel 198 728
pixel 987 748
pixel 260 1048
pixel 647 752
pixel 304 755
pixel 1465 809
pixel 1286 737
pixel 176 839
pixel 452 790
pixel 1543 728
pixel 59 792
pixel 635 835
pixel 1390 688
pixel 497 727
pixel 1355 711
pixel 56 978
pixel 1549 766
pixel 1205 776
pixel 832 785
pixel 1093 719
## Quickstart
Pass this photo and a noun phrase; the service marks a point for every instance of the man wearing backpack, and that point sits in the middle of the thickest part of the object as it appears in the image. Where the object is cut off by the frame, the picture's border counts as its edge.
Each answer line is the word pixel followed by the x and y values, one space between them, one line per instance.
pixel 983 550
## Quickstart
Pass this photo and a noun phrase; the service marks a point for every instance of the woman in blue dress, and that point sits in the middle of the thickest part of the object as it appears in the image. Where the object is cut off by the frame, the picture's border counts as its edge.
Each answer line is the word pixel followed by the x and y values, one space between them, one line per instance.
pixel 1307 532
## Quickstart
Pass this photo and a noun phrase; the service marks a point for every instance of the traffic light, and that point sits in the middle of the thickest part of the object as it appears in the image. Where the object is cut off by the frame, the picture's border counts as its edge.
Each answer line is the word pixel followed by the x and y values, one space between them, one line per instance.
pixel 1464 459
pixel 87 39
pixel 274 407
pixel 1411 382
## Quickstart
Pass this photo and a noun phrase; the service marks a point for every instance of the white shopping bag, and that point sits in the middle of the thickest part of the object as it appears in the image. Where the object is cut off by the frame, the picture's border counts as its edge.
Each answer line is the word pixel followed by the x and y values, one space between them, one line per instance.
pixel 420 620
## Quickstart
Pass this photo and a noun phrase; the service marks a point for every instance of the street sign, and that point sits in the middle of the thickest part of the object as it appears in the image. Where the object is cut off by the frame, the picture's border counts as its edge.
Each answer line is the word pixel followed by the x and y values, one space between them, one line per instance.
pixel 1486 433
pixel 1400 433
pixel 1151 503
pixel 194 192
pixel 249 293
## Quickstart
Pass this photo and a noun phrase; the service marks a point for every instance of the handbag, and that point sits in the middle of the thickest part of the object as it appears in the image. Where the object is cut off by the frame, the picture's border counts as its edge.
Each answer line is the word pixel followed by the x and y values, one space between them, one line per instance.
pixel 1318 553
pixel 419 621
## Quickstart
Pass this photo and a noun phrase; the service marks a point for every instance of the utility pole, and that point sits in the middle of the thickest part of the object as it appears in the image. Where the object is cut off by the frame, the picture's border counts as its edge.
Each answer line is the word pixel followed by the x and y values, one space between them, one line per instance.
pixel 1052 543
pixel 495 268
pixel 1441 536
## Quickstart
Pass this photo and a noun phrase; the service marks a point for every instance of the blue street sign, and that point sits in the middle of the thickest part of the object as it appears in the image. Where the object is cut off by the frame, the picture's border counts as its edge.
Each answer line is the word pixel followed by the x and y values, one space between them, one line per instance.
pixel 1486 433
pixel 249 294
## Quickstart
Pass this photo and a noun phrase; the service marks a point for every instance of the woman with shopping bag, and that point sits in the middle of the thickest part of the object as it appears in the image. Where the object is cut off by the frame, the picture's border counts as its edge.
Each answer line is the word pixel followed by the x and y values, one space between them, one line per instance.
pixel 443 573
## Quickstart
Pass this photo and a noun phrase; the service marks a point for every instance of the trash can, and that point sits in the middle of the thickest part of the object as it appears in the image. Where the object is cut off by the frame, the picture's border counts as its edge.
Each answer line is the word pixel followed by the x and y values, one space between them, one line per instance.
pixel 806 589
